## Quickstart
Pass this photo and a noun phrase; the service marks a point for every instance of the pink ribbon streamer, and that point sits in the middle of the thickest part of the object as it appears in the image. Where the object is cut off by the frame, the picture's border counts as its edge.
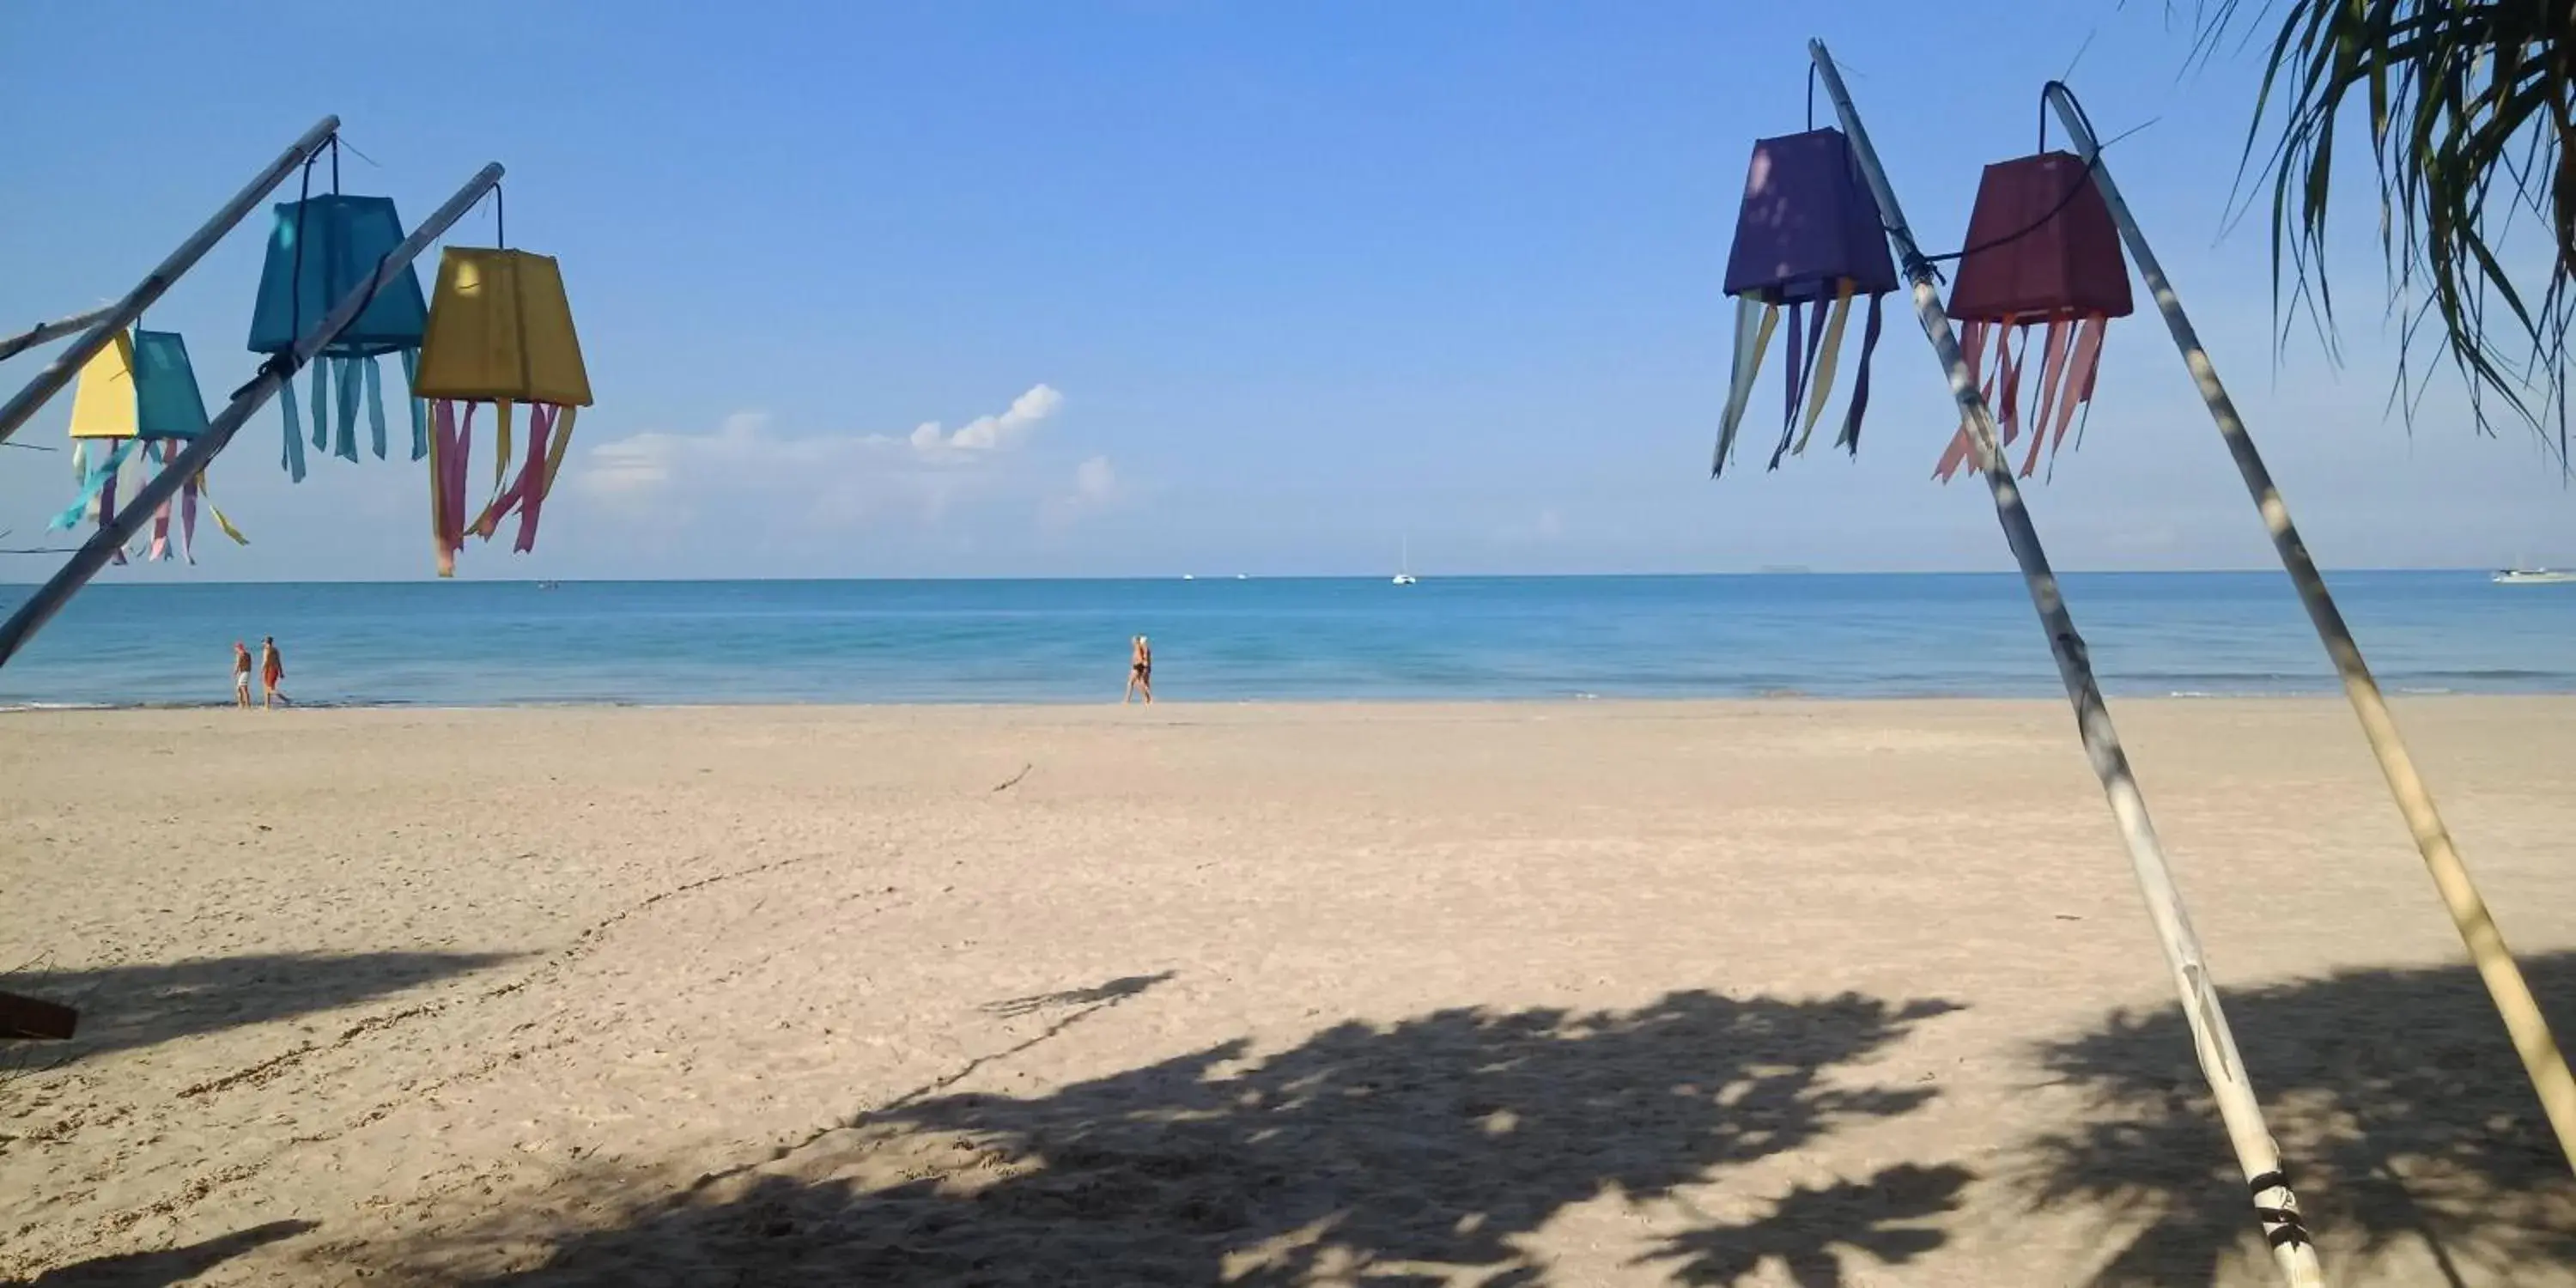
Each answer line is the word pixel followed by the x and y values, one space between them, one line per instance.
pixel 2086 363
pixel 527 495
pixel 455 441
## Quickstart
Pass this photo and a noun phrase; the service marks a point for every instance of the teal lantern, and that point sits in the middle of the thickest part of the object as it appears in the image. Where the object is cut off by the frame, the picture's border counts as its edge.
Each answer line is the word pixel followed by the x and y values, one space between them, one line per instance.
pixel 322 249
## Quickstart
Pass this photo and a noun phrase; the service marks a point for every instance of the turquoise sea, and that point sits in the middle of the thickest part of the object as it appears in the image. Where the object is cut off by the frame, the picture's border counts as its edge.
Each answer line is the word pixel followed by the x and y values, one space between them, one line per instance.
pixel 490 644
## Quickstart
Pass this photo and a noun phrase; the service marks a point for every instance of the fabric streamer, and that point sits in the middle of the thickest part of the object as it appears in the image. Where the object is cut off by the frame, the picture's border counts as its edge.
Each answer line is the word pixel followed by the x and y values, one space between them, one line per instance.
pixel 140 394
pixel 1808 241
pixel 2044 256
pixel 320 250
pixel 500 332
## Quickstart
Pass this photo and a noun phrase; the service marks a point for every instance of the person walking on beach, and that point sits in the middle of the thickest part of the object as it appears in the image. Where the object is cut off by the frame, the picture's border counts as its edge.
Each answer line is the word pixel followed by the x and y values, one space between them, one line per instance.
pixel 272 668
pixel 1140 671
pixel 241 675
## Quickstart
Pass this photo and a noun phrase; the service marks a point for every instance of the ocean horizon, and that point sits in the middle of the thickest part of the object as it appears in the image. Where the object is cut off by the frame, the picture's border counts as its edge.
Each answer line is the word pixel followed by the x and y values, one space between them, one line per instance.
pixel 1228 639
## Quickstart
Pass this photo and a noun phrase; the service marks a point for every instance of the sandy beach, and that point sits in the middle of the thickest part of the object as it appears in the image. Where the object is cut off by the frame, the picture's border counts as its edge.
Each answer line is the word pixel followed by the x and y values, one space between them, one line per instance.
pixel 1758 993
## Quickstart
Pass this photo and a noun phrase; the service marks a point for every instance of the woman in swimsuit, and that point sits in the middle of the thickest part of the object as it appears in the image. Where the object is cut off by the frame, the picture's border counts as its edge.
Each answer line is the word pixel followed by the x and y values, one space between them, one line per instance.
pixel 241 675
pixel 272 668
pixel 1140 671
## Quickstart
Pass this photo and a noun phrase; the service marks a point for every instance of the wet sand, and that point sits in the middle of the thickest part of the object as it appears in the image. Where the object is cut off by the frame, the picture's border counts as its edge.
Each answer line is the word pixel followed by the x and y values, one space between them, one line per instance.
pixel 1743 993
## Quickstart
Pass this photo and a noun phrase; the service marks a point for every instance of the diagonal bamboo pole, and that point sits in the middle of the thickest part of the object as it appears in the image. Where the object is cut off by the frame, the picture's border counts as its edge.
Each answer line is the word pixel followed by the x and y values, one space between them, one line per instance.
pixel 48 332
pixel 2513 1000
pixel 2274 1205
pixel 121 315
pixel 273 375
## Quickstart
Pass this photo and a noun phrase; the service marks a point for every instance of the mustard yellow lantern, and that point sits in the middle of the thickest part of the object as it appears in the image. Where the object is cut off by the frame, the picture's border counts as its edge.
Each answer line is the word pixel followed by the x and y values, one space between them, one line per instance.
pixel 500 332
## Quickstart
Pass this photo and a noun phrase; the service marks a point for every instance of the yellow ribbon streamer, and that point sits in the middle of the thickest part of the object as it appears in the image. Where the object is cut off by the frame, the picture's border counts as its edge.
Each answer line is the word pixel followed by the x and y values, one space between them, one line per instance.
pixel 1824 382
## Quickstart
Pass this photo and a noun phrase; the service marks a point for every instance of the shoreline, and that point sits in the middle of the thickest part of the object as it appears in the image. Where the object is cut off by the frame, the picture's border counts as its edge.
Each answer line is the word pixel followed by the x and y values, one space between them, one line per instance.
pixel 2324 692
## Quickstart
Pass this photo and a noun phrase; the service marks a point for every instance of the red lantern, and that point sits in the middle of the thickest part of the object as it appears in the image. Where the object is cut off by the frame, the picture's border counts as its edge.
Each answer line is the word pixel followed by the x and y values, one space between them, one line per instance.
pixel 2042 253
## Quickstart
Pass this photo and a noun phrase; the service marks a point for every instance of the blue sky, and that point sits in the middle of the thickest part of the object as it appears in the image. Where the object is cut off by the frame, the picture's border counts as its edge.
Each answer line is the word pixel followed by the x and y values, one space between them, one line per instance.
pixel 1159 286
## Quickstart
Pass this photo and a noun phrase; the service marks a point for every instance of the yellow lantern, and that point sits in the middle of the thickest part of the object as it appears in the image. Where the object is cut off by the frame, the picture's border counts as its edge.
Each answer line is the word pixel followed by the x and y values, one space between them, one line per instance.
pixel 500 332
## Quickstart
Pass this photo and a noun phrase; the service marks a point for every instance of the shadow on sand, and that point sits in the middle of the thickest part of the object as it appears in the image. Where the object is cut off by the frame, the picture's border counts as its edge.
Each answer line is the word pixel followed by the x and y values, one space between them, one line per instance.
pixel 172 1266
pixel 1400 1155
pixel 123 1007
pixel 2401 1110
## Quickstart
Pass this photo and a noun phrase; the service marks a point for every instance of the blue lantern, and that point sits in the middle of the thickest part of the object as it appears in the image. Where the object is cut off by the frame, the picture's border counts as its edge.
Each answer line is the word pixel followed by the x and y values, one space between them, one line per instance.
pixel 321 249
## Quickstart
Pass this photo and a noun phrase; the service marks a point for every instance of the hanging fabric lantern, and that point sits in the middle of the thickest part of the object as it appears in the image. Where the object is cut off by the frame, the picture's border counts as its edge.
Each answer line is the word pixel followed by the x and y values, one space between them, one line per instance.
pixel 1808 240
pixel 2042 253
pixel 500 332
pixel 321 249
pixel 139 393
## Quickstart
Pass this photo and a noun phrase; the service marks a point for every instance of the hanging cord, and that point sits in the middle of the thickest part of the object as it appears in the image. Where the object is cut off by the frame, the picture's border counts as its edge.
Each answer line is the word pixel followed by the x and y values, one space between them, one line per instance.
pixel 282 364
pixel 2073 190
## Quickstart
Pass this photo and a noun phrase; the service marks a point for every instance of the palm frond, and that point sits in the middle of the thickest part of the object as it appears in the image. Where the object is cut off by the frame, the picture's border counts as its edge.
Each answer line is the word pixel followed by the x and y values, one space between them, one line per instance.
pixel 2471 107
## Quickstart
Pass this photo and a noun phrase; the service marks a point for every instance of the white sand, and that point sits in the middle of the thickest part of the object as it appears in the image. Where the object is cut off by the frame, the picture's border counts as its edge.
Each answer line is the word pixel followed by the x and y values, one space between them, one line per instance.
pixel 1777 993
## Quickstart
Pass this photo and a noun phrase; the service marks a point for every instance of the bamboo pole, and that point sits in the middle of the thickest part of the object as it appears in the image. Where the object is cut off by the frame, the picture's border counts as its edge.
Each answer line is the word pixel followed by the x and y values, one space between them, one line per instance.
pixel 48 332
pixel 2513 1000
pixel 121 314
pixel 2275 1206
pixel 103 544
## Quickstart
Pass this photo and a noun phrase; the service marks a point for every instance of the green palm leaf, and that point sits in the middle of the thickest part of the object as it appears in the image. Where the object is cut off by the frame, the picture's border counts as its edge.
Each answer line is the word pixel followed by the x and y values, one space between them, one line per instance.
pixel 2471 109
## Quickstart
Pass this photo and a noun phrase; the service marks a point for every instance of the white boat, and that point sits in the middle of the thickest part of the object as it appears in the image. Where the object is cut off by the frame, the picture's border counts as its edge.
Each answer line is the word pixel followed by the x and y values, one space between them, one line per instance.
pixel 1404 567
pixel 2534 577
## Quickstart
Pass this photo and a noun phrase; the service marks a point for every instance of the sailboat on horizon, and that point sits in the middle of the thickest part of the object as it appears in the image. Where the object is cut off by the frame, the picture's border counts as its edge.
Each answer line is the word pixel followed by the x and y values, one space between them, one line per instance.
pixel 1404 565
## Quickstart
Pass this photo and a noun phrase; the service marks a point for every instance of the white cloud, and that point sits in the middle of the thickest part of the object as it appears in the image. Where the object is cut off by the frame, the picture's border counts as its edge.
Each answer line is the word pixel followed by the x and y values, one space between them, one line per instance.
pixel 990 433
pixel 1095 488
pixel 1095 479
pixel 818 482
pixel 643 464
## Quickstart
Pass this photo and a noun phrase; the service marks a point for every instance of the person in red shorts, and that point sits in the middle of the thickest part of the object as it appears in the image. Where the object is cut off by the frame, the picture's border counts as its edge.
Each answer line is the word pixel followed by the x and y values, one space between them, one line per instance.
pixel 272 669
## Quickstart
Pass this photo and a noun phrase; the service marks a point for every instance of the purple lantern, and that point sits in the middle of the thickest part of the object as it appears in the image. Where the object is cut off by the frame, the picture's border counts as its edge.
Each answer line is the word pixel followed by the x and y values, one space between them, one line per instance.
pixel 1808 240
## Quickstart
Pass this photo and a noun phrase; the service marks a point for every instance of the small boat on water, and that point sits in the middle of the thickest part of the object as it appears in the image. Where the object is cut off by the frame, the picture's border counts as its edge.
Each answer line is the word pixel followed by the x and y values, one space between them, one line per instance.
pixel 1404 566
pixel 2534 577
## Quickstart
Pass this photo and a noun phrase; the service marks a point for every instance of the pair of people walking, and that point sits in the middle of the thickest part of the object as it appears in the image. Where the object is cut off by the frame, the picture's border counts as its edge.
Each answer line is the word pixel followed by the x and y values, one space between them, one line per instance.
pixel 272 670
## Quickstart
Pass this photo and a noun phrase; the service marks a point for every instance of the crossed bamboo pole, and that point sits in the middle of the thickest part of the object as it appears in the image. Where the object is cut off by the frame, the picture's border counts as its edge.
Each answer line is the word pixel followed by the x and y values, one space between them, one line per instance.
pixel 103 324
pixel 273 376
pixel 2275 1205
pixel 2531 1038
pixel 48 332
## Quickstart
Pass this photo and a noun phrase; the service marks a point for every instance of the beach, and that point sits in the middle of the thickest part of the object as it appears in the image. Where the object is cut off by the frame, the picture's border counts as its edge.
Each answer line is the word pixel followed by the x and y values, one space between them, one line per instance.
pixel 1748 992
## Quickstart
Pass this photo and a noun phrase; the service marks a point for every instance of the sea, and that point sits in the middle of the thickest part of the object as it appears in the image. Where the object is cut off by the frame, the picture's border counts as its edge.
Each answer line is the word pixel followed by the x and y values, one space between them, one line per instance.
pixel 465 644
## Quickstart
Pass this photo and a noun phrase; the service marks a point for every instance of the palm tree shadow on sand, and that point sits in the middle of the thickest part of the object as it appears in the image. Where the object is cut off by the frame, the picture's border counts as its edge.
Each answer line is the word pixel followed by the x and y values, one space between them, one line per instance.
pixel 2418 1148
pixel 1400 1155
